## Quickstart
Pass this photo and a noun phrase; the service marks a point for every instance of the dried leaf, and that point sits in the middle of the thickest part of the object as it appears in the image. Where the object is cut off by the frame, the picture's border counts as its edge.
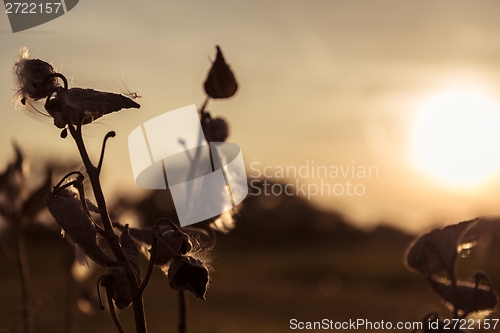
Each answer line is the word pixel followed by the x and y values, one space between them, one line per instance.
pixel 468 298
pixel 437 251
pixel 188 273
pixel 220 82
pixel 120 287
pixel 68 212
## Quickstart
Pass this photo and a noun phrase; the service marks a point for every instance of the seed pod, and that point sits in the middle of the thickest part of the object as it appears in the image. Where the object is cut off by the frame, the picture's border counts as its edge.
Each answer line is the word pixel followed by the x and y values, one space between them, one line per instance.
pixel 68 212
pixel 220 82
pixel 32 76
pixel 217 130
pixel 188 273
pixel 178 242
pixel 85 104
pixel 131 252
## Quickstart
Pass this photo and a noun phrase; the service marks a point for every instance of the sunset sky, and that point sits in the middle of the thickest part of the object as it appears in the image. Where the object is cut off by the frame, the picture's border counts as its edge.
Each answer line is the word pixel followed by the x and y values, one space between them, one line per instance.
pixel 340 83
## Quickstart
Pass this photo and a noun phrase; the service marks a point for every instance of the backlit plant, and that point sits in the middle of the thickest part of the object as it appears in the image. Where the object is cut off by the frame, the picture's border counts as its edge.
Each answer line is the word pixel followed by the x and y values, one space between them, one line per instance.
pixel 88 226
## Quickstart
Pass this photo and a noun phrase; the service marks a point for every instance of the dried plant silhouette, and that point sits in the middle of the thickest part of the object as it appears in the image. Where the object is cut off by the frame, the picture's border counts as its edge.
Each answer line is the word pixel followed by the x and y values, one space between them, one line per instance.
pixel 434 256
pixel 18 206
pixel 87 225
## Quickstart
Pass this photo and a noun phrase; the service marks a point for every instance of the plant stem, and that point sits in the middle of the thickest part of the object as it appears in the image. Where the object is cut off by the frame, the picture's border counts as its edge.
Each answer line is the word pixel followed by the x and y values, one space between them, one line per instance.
pixel 25 278
pixel 111 238
pixel 182 325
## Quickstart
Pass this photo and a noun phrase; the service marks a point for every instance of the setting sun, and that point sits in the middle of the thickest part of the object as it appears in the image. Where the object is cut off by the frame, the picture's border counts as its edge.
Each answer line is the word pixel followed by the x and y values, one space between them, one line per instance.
pixel 456 138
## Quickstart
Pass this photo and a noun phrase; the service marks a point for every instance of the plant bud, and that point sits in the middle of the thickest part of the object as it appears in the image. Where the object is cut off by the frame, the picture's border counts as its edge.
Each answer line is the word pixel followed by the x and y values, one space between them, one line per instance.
pixel 77 224
pixel 220 82
pixel 188 273
pixel 178 242
pixel 217 130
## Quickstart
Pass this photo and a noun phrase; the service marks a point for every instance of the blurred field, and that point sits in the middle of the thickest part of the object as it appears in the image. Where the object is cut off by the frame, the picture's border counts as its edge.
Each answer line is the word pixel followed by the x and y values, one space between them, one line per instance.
pixel 279 263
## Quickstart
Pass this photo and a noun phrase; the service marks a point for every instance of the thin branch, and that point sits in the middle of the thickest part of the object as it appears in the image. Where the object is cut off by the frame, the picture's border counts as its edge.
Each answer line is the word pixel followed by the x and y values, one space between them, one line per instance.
pixel 205 103
pixel 80 175
pixel 150 267
pixel 112 309
pixel 111 134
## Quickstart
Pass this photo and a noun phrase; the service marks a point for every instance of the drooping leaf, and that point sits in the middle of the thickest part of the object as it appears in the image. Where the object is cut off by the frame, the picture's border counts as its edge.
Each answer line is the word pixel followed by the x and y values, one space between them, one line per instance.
pixel 466 297
pixel 437 251
pixel 188 273
pixel 220 82
pixel 121 292
pixel 68 212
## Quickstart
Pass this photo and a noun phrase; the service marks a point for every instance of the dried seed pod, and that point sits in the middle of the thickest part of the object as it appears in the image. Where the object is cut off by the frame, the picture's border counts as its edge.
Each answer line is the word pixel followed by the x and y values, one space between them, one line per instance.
pixel 217 130
pixel 467 297
pixel 188 273
pixel 84 105
pixel 177 241
pixel 437 251
pixel 220 82
pixel 33 78
pixel 68 212
pixel 131 252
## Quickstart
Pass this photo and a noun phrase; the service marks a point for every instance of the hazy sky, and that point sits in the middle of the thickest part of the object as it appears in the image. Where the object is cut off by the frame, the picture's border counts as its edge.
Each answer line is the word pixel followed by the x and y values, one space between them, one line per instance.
pixel 335 82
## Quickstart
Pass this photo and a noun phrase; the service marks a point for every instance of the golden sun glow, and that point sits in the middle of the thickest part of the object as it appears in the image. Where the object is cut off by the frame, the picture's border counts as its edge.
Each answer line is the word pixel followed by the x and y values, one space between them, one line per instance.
pixel 456 138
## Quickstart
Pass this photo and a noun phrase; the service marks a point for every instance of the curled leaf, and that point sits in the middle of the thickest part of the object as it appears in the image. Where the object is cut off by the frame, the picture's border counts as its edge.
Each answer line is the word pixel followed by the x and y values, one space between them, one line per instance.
pixel 437 251
pixel 68 212
pixel 188 273
pixel 466 297
pixel 220 82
